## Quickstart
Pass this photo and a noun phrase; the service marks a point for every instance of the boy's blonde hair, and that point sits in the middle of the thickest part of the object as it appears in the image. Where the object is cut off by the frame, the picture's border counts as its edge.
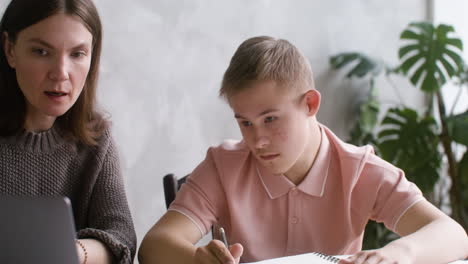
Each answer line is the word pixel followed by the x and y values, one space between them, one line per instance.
pixel 265 58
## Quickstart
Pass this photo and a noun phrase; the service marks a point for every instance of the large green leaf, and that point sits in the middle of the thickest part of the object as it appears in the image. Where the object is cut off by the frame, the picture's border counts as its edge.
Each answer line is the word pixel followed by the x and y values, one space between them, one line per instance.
pixel 363 130
pixel 363 65
pixel 368 117
pixel 463 78
pixel 458 128
pixel 431 53
pixel 411 143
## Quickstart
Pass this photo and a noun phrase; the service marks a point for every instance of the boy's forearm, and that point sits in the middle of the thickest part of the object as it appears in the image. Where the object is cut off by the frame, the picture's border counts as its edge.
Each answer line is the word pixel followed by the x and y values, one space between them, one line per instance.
pixel 441 241
pixel 161 249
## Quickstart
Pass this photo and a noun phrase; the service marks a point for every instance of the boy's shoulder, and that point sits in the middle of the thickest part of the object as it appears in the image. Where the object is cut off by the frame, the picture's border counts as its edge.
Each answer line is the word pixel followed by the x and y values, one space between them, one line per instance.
pixel 362 156
pixel 230 154
pixel 231 146
pixel 346 150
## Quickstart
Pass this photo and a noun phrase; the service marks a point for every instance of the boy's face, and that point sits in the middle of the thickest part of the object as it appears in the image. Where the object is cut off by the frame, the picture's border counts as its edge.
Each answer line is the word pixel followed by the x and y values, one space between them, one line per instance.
pixel 275 124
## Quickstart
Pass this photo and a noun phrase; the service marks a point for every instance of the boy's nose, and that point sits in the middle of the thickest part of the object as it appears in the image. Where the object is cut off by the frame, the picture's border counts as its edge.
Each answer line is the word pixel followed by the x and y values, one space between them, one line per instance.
pixel 261 140
pixel 59 70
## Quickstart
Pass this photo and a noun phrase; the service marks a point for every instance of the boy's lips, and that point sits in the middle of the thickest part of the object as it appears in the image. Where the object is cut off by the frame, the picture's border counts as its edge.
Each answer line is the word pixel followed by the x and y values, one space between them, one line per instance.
pixel 269 156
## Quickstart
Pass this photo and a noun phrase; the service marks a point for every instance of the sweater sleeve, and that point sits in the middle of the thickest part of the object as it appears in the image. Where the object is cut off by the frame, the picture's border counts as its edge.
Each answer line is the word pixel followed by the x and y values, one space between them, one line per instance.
pixel 109 219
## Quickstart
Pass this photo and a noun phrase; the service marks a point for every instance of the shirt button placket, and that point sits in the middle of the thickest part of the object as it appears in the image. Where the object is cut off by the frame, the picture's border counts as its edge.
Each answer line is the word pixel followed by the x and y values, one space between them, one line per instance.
pixel 293 220
pixel 294 194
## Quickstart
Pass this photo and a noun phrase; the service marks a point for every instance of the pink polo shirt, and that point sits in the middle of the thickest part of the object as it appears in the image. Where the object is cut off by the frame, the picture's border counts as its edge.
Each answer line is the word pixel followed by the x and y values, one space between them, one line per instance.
pixel 272 217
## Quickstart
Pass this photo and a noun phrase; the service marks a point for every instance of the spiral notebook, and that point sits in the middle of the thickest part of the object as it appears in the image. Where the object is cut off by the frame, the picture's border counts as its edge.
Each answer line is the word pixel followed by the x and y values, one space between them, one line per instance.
pixel 309 258
pixel 316 258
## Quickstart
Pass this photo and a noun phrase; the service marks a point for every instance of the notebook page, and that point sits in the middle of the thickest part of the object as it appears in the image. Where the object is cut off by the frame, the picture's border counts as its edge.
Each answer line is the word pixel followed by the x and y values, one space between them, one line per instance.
pixel 313 258
pixel 309 258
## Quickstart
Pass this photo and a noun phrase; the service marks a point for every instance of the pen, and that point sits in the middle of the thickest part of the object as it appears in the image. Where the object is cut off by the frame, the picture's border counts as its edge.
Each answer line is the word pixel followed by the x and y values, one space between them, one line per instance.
pixel 223 237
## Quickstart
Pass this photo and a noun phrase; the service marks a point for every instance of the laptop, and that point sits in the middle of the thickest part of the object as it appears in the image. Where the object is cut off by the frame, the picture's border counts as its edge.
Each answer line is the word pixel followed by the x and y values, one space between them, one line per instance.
pixel 37 230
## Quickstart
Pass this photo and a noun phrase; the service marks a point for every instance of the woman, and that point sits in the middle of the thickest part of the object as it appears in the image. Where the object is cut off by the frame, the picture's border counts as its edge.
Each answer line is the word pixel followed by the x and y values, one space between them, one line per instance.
pixel 52 139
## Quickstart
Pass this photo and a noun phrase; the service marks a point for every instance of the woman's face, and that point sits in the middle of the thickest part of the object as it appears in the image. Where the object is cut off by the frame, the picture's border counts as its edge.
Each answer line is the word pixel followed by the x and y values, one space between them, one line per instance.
pixel 52 60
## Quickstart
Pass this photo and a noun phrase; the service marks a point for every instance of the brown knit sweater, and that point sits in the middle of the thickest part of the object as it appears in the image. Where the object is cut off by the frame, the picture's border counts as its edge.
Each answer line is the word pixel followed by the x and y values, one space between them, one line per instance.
pixel 45 164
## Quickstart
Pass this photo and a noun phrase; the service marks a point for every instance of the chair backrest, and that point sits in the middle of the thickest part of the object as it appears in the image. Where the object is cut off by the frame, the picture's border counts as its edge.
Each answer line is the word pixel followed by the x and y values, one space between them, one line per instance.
pixel 171 186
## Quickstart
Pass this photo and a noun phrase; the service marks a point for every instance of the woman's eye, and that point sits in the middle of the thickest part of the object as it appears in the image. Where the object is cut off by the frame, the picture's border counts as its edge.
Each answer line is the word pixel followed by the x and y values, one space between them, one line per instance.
pixel 270 119
pixel 40 52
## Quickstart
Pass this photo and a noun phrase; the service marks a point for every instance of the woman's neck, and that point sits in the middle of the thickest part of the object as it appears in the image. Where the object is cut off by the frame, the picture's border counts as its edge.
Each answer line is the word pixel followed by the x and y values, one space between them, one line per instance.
pixel 36 122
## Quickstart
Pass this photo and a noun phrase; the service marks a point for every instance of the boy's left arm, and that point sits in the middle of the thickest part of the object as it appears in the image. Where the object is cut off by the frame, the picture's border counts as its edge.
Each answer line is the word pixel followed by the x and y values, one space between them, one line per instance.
pixel 428 236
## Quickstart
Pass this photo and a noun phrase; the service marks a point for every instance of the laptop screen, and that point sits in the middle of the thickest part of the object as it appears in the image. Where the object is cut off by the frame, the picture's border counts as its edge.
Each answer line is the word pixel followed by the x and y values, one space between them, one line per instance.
pixel 37 230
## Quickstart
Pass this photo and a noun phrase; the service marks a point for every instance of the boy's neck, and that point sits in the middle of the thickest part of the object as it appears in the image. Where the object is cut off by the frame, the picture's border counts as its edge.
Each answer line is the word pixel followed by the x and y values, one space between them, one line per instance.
pixel 303 165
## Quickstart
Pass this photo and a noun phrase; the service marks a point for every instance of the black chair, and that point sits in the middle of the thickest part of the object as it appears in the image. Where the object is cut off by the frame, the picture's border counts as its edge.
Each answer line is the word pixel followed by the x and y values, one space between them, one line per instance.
pixel 171 186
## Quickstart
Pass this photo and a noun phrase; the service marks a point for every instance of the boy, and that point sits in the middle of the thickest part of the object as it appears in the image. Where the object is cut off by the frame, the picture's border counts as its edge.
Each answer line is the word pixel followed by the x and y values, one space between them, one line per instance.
pixel 291 186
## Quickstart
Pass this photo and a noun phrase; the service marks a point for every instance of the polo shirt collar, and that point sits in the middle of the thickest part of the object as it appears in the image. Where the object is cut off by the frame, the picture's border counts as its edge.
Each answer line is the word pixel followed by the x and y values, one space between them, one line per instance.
pixel 277 185
pixel 314 182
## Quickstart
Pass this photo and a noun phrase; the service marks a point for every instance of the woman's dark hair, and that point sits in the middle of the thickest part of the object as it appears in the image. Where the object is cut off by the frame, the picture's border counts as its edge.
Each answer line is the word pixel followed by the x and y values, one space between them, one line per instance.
pixel 81 122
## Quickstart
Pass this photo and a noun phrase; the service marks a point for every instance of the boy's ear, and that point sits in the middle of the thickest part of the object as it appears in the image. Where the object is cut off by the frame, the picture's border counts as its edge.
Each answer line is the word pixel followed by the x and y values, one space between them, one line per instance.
pixel 8 50
pixel 312 101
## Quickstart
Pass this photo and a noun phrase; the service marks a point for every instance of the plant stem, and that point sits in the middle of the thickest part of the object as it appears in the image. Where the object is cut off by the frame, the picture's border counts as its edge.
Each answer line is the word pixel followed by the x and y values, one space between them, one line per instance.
pixel 455 199
pixel 460 89
pixel 430 109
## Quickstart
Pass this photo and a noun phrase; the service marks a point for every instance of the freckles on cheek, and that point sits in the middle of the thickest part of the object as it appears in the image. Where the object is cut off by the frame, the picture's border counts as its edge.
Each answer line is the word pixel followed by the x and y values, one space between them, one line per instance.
pixel 281 135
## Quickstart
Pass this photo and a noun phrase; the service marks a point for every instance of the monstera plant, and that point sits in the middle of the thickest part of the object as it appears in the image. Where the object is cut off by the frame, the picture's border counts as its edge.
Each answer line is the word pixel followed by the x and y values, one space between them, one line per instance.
pixel 430 56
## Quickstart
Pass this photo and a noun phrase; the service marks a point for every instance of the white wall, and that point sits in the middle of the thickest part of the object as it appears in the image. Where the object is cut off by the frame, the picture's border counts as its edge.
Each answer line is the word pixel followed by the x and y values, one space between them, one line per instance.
pixel 453 12
pixel 163 61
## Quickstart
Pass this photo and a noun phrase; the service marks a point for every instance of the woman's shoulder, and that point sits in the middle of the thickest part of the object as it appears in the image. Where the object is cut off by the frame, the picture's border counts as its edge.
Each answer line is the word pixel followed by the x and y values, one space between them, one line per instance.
pixel 103 140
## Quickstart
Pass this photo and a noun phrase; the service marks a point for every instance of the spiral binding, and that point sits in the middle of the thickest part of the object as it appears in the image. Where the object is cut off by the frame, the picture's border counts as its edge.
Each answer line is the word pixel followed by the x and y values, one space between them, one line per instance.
pixel 332 259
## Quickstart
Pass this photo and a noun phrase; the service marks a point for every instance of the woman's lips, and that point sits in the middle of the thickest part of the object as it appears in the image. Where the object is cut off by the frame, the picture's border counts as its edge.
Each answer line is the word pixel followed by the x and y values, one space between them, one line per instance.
pixel 56 96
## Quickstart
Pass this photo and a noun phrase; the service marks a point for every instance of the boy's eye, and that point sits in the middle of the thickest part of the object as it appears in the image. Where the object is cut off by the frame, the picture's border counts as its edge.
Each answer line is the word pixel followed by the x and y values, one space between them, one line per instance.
pixel 246 123
pixel 40 52
pixel 270 119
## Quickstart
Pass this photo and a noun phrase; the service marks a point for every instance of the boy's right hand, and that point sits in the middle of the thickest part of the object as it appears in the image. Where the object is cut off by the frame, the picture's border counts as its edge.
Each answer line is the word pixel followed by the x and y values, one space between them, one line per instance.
pixel 217 253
